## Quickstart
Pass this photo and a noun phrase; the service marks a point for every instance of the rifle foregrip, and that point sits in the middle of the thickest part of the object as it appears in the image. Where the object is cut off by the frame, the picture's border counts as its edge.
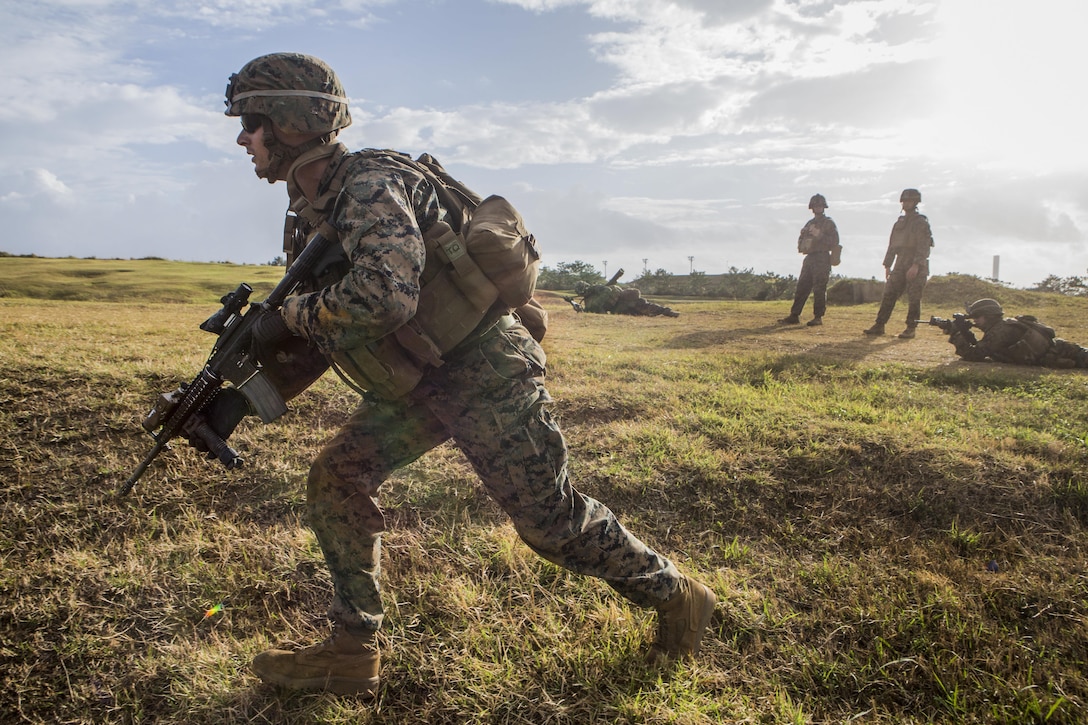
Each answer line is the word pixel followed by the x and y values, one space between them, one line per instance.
pixel 226 455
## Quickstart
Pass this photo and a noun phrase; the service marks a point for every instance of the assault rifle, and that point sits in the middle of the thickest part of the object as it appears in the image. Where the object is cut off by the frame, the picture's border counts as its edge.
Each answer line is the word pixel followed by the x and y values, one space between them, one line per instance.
pixel 181 412
pixel 958 323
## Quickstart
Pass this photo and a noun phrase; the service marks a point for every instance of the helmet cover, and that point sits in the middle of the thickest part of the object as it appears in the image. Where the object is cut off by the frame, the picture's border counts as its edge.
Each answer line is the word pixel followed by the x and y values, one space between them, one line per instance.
pixel 985 307
pixel 298 93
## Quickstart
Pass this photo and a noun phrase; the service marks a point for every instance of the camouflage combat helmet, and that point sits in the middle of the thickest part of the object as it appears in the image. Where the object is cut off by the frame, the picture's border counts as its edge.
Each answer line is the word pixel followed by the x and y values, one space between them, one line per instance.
pixel 910 194
pixel 985 307
pixel 817 198
pixel 298 93
pixel 581 287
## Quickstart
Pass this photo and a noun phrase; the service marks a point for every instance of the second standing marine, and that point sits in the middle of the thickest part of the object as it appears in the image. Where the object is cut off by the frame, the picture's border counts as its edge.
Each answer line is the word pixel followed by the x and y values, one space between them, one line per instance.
pixel 906 265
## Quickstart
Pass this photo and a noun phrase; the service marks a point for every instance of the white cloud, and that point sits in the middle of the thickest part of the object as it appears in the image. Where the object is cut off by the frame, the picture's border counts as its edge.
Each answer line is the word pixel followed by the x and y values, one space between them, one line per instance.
pixel 699 128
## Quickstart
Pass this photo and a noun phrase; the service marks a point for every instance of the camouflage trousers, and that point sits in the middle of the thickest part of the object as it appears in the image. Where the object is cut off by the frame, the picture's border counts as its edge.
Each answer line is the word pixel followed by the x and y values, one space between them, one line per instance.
pixel 491 401
pixel 1065 354
pixel 894 288
pixel 815 273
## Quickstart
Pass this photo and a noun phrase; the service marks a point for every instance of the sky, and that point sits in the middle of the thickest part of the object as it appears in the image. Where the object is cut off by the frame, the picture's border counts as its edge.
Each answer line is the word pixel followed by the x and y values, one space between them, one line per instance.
pixel 676 135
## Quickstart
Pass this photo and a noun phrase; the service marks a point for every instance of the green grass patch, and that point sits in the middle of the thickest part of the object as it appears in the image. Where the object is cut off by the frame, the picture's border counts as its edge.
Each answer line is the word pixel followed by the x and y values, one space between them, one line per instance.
pixel 895 536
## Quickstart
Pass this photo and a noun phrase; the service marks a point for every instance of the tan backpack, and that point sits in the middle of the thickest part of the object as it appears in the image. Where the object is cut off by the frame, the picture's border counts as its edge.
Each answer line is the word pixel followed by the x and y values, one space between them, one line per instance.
pixel 481 263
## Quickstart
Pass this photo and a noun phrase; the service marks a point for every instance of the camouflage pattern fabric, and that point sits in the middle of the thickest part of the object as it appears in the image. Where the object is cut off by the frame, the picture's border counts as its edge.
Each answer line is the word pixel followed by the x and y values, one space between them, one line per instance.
pixel 601 298
pixel 492 402
pixel 1011 341
pixel 909 245
pixel 818 238
pixel 813 279
pixel 379 214
pixel 489 398
pixel 818 235
pixel 254 90
pixel 910 241
pixel 605 299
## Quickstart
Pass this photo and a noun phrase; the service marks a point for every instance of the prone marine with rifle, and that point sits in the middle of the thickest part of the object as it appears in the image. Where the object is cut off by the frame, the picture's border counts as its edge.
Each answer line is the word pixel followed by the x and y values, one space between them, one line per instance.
pixel 610 298
pixel 1020 340
pixel 581 288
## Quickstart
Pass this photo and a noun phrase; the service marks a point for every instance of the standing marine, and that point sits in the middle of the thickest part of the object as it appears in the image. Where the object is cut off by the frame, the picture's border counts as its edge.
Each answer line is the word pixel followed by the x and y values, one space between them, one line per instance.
pixel 906 265
pixel 819 242
pixel 487 394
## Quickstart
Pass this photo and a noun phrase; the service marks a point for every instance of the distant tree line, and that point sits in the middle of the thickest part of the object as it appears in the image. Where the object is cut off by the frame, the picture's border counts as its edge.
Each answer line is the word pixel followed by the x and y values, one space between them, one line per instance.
pixel 737 284
pixel 1071 286
pixel 746 284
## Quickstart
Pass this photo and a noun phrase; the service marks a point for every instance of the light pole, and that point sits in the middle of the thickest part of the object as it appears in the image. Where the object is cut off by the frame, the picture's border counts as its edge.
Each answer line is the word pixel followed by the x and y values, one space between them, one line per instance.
pixel 645 269
pixel 691 263
pixel 605 263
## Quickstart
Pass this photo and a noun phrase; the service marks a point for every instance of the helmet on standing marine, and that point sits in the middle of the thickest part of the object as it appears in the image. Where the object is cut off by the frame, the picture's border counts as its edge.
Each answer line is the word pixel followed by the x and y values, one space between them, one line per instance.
pixel 298 93
pixel 909 194
pixel 817 199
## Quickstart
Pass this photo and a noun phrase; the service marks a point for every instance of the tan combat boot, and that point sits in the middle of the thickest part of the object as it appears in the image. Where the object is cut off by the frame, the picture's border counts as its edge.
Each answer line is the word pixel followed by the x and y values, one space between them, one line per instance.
pixel 341 664
pixel 681 622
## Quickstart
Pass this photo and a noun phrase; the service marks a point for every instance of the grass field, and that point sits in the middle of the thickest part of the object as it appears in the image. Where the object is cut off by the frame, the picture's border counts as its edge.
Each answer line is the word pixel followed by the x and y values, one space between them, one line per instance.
pixel 847 498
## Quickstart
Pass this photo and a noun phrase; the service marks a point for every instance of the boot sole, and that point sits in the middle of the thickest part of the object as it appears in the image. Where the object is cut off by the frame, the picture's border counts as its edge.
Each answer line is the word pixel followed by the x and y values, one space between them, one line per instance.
pixel 337 685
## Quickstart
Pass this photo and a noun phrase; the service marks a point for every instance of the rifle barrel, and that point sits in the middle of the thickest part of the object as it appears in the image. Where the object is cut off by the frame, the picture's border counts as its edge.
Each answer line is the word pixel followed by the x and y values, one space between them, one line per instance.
pixel 127 486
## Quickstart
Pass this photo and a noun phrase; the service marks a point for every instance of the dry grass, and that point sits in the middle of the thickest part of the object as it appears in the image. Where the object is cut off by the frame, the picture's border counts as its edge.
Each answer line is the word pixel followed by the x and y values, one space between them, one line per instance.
pixel 842 495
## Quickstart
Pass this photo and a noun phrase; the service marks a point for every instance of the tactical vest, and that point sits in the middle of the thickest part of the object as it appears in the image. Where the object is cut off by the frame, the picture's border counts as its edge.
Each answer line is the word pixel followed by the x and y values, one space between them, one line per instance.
pixel 481 263
pixel 1033 345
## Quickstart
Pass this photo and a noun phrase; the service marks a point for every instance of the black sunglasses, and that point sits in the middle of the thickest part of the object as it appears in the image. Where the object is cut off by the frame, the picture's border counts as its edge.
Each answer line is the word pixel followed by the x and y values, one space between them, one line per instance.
pixel 252 121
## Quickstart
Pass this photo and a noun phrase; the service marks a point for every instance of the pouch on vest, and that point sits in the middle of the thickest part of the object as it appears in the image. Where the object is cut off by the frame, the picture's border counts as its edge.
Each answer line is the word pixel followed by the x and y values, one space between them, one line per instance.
pixel 381 367
pixel 1020 353
pixel 503 248
pixel 1031 347
pixel 480 261
pixel 1033 322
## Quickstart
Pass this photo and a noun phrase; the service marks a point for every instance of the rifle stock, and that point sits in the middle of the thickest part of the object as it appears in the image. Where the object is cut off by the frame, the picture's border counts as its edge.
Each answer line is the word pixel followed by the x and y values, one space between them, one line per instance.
pixel 181 412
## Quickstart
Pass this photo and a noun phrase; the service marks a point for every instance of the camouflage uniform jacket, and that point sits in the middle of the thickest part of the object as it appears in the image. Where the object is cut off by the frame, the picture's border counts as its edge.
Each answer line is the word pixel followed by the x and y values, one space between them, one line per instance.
pixel 380 214
pixel 601 298
pixel 910 241
pixel 818 235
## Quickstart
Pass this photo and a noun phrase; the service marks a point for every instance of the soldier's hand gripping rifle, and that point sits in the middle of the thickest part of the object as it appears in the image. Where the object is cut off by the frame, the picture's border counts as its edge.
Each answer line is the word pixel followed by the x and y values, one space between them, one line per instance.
pixel 574 303
pixel 181 412
pixel 959 323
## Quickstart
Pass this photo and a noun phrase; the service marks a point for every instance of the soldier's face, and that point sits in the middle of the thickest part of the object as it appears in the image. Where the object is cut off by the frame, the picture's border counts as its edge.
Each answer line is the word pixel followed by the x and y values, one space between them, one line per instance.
pixel 910 204
pixel 253 143
pixel 818 209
